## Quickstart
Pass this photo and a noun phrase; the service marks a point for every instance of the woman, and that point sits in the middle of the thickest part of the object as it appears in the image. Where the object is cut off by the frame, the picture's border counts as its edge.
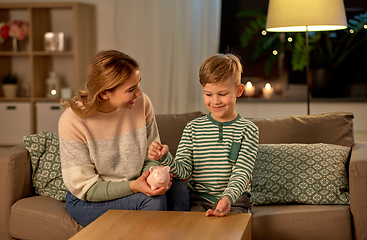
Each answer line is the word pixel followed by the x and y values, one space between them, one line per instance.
pixel 104 137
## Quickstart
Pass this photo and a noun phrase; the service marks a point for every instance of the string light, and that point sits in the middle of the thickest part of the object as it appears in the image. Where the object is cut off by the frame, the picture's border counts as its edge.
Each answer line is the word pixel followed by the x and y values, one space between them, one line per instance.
pixel 290 39
pixel 263 32
pixel 275 52
pixel 351 31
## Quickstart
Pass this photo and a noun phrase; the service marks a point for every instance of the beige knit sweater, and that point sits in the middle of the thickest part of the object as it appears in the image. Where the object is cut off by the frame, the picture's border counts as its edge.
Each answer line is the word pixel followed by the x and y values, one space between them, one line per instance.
pixel 100 154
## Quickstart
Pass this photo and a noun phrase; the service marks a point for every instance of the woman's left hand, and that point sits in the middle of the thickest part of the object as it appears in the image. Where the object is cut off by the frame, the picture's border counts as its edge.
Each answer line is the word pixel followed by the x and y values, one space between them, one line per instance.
pixel 141 185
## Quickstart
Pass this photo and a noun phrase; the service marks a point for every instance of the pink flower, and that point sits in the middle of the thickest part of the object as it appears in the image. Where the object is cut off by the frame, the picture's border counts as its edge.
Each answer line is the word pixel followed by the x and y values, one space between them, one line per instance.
pixel 17 29
pixel 13 29
pixel 23 31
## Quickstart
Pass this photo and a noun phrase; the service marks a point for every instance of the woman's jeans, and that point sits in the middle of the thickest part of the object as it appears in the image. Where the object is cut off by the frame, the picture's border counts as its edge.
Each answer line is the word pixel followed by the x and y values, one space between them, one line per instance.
pixel 175 199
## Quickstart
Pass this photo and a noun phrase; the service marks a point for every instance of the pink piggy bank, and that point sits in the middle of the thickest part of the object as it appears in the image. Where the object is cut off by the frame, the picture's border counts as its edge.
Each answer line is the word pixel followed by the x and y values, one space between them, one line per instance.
pixel 158 177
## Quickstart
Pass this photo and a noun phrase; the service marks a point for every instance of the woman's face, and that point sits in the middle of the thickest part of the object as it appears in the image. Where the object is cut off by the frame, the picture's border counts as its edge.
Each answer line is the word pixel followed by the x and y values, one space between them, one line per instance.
pixel 123 96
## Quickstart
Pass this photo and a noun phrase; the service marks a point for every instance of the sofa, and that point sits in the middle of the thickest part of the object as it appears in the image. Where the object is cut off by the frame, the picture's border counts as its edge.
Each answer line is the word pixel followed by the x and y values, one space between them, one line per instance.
pixel 26 213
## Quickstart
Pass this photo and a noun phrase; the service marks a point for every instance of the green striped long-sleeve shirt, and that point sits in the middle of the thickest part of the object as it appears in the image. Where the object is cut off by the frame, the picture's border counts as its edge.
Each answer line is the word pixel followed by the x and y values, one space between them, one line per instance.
pixel 219 156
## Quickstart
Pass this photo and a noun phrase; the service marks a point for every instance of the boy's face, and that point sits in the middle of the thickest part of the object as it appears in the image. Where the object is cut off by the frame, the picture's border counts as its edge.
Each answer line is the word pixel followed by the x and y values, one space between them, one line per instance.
pixel 220 99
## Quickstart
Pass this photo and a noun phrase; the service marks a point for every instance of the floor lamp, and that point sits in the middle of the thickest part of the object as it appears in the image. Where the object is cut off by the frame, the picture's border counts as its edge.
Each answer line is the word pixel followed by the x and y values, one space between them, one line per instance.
pixel 306 16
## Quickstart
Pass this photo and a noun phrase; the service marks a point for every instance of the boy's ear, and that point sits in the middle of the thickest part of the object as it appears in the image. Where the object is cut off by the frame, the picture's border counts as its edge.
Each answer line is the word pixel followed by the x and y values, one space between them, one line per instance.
pixel 104 95
pixel 240 90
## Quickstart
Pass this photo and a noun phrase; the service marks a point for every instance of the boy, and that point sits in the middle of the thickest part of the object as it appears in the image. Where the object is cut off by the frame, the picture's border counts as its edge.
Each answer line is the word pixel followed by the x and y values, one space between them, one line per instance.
pixel 219 149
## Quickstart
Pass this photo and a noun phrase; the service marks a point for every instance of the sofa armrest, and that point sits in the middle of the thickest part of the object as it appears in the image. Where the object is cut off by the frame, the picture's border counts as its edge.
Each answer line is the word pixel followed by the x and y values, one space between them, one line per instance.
pixel 358 189
pixel 15 182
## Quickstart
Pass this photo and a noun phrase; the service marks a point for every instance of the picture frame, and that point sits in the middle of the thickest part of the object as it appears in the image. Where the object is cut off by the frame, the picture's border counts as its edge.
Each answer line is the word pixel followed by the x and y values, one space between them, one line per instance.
pixel 54 41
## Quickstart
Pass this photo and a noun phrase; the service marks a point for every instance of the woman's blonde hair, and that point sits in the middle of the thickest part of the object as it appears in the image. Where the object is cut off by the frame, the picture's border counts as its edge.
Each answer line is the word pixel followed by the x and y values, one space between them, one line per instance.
pixel 220 67
pixel 108 70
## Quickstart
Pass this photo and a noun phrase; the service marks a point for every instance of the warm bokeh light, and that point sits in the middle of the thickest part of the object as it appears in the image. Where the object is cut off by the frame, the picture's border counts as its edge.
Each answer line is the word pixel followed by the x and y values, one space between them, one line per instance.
pixel 249 84
pixel 267 86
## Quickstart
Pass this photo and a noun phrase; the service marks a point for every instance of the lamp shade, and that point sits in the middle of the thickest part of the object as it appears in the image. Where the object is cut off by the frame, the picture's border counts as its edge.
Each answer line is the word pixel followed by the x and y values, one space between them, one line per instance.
pixel 302 15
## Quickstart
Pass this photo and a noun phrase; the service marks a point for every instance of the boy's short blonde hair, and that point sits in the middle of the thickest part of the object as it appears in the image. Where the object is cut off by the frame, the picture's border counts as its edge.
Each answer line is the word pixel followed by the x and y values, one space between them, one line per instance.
pixel 220 67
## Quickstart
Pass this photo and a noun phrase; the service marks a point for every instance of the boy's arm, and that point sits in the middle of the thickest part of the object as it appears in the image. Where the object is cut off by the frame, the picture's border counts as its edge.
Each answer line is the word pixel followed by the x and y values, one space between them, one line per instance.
pixel 242 170
pixel 181 165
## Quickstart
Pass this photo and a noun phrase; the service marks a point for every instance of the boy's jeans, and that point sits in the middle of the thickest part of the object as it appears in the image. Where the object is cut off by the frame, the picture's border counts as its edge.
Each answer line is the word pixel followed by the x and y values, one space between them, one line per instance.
pixel 84 212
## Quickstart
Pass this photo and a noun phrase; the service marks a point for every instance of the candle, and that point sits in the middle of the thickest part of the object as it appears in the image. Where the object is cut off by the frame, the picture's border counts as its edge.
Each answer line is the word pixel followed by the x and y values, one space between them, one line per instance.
pixel 267 91
pixel 53 82
pixel 249 89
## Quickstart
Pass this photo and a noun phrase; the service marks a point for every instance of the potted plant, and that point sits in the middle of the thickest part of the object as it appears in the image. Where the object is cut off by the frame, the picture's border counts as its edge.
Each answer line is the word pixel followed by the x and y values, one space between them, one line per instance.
pixel 10 85
pixel 335 54
pixel 329 51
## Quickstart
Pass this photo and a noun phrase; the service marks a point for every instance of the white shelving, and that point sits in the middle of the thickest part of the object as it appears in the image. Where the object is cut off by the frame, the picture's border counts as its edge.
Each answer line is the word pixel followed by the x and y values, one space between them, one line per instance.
pixel 32 64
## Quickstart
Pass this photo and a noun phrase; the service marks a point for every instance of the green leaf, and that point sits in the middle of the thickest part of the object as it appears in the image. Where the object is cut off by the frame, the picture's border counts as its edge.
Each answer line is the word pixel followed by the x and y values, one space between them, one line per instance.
pixel 251 13
pixel 299 56
pixel 246 37
pixel 269 63
pixel 261 21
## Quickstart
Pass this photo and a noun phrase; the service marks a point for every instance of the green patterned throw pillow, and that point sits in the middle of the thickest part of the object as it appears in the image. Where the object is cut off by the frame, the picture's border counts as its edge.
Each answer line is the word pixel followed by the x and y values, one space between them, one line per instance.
pixel 300 174
pixel 47 180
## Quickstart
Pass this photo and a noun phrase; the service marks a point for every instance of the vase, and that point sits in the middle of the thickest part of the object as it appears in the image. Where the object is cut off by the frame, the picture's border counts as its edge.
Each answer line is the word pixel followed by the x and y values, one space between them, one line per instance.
pixel 328 83
pixel 10 90
pixel 15 44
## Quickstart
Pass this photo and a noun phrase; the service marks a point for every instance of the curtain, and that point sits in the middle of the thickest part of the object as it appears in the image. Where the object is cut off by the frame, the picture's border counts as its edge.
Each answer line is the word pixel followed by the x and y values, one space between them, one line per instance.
pixel 170 39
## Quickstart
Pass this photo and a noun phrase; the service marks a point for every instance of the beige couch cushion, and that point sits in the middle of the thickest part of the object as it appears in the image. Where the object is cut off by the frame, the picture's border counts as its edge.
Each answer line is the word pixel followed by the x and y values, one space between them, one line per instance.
pixel 171 127
pixel 334 128
pixel 304 221
pixel 41 217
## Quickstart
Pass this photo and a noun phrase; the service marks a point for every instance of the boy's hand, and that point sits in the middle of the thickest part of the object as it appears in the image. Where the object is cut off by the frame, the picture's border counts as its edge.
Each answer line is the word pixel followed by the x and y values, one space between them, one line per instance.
pixel 223 207
pixel 157 151
pixel 141 185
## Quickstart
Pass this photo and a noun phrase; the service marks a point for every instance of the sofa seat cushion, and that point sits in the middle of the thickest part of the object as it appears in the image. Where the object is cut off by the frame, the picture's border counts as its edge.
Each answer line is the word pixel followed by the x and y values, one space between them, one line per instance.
pixel 41 217
pixel 301 222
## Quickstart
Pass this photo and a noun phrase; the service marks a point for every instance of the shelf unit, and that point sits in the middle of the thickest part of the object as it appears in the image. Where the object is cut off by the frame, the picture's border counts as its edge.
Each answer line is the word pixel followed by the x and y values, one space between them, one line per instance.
pixel 32 64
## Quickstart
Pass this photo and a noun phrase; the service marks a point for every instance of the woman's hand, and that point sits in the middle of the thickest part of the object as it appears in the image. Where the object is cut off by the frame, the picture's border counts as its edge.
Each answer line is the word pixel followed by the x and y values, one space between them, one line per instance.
pixel 223 207
pixel 157 151
pixel 141 185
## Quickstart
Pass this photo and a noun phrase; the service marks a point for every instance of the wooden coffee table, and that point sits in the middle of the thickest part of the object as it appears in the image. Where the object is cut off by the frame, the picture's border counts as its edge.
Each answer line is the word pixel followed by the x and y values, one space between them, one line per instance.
pixel 145 225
